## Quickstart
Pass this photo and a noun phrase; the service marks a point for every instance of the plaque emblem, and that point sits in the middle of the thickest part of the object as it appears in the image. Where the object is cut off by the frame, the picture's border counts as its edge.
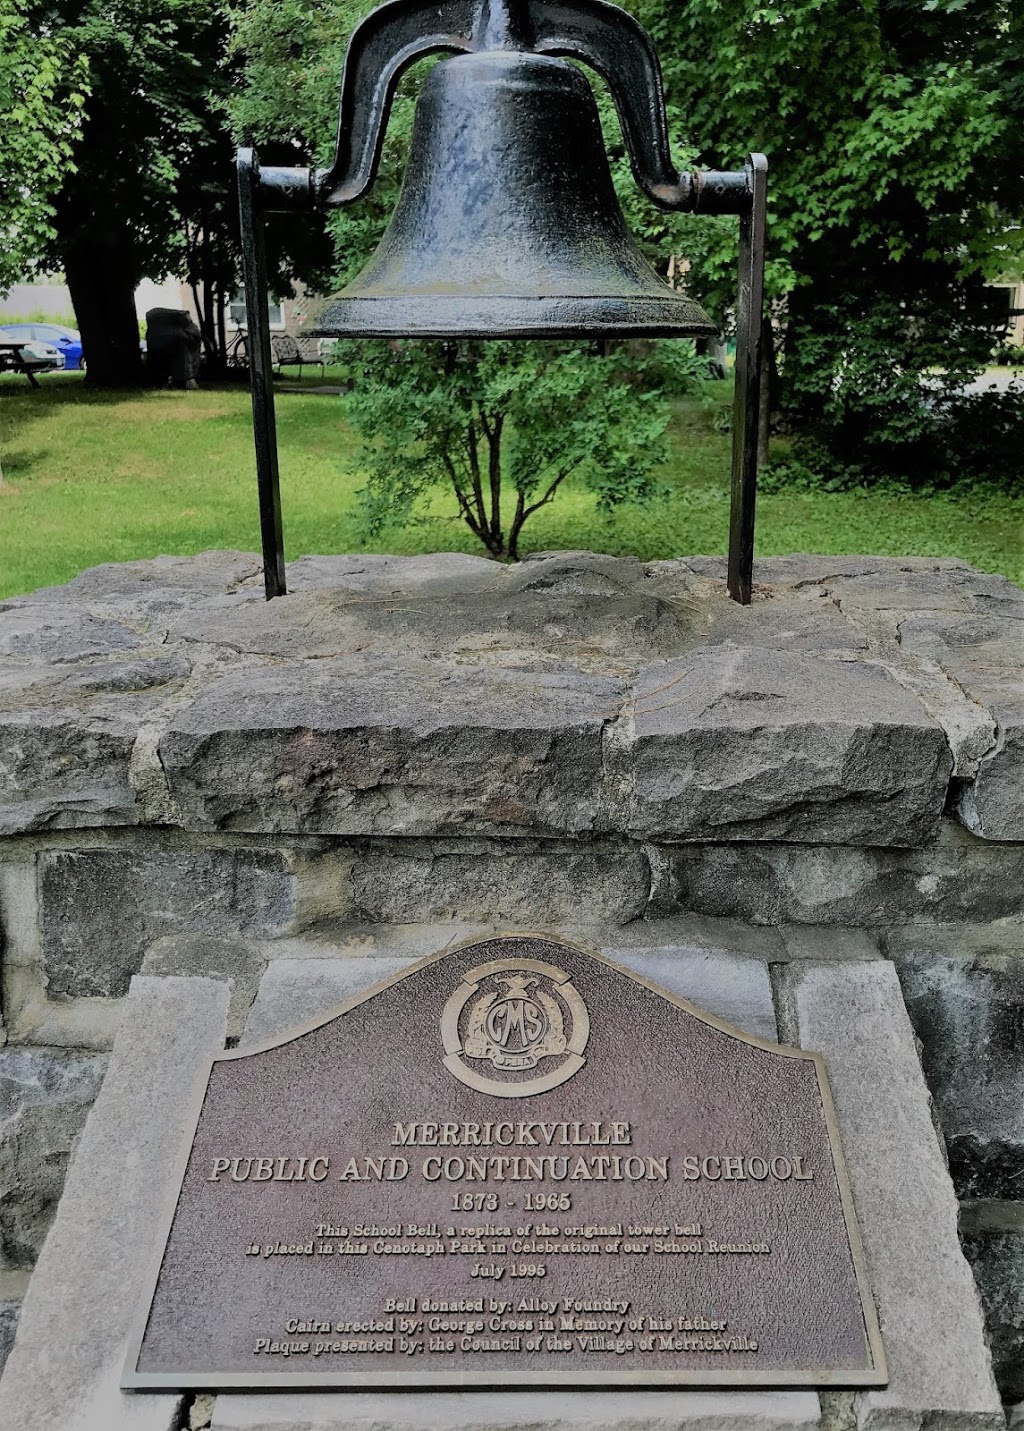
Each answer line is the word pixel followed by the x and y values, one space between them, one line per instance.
pixel 514 1015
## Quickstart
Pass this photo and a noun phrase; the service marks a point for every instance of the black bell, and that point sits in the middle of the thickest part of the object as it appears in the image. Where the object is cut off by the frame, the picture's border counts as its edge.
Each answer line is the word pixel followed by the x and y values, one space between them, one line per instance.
pixel 508 224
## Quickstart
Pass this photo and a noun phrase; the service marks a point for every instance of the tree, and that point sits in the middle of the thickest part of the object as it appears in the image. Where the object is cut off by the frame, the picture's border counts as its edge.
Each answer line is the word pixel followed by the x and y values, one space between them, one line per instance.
pixel 151 189
pixel 291 54
pixel 892 129
pixel 42 89
pixel 156 84
pixel 504 424
pixel 114 137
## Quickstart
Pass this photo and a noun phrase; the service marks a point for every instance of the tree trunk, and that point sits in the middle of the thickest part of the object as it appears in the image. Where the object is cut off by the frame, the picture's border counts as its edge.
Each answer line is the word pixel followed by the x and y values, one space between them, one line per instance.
pixel 101 280
pixel 209 323
pixel 222 334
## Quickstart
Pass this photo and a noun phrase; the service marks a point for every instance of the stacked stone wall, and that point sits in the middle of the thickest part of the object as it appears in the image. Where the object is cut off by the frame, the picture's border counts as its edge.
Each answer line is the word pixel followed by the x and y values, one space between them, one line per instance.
pixel 404 754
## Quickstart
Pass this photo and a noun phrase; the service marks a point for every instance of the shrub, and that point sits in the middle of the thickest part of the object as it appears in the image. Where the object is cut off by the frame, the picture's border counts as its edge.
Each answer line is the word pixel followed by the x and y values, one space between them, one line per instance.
pixel 502 425
pixel 960 439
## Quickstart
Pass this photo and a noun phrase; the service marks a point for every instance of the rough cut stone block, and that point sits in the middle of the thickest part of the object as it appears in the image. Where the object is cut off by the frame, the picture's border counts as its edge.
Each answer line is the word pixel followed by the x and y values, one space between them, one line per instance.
pixel 65 1369
pixel 475 609
pixel 358 746
pixel 41 633
pixel 522 1411
pixel 984 656
pixel 964 990
pixel 993 1239
pixel 436 574
pixel 924 585
pixel 295 990
pixel 762 745
pixel 63 765
pixel 789 623
pixel 9 1313
pixel 939 1364
pixel 812 569
pixel 956 878
pixel 44 1098
pixel 149 589
pixel 449 694
pixel 993 806
pixel 416 882
pixel 100 909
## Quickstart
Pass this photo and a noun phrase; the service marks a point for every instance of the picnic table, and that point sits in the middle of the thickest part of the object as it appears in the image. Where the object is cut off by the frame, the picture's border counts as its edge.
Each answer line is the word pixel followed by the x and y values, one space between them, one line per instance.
pixel 13 348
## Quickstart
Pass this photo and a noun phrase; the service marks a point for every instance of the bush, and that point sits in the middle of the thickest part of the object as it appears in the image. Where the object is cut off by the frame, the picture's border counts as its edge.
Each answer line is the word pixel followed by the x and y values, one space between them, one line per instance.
pixel 959 439
pixel 504 424
pixel 867 380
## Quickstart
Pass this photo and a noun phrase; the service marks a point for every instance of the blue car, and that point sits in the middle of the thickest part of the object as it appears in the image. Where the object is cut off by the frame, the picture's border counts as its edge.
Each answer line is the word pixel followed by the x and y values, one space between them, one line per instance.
pixel 65 340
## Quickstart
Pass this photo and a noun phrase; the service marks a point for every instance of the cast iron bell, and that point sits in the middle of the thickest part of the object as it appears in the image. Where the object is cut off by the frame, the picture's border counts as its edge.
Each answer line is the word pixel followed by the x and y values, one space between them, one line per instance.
pixel 508 224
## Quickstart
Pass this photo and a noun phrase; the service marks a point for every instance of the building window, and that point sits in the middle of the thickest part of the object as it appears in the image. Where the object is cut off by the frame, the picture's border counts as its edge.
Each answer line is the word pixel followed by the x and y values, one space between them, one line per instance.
pixel 237 318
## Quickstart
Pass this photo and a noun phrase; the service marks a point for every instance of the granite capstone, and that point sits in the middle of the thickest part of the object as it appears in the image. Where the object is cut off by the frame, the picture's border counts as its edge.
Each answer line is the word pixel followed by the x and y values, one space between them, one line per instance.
pixel 452 695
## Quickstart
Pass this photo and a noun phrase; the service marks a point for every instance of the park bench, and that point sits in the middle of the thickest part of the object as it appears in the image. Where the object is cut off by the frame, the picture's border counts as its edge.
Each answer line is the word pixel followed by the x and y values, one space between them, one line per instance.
pixel 289 352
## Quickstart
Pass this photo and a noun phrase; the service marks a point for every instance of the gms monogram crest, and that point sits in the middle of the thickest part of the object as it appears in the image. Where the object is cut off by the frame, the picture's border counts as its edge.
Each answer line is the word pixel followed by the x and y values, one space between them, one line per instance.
pixel 512 1015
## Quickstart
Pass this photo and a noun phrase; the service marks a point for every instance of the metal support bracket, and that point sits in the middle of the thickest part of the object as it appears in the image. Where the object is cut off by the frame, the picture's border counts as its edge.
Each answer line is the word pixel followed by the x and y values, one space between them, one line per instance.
pixel 261 376
pixel 749 368
pixel 258 192
pixel 743 192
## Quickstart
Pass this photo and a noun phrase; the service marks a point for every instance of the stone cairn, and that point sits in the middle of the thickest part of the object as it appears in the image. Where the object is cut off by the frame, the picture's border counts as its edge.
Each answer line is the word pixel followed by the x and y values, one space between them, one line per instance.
pixel 806 815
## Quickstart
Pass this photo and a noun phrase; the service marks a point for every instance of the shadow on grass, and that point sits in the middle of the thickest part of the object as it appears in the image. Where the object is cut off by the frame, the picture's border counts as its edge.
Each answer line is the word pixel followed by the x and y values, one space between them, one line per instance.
pixel 22 405
pixel 20 462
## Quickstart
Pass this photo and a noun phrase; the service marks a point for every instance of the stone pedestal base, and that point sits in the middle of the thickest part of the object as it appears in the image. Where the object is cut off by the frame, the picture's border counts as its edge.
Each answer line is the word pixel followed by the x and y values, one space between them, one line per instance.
pixel 63 1372
pixel 293 799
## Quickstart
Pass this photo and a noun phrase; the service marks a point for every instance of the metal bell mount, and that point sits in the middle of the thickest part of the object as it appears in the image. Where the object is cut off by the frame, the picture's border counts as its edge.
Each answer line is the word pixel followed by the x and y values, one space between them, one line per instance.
pixel 507 224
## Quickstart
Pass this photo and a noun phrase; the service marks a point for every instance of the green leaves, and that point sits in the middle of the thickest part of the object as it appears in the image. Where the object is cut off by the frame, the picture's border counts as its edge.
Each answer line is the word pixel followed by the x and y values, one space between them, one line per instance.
pixel 891 128
pixel 504 424
pixel 43 84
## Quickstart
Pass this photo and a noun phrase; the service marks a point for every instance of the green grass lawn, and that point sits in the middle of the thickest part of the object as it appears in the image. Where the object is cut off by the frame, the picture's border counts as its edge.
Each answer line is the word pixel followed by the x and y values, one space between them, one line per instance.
pixel 96 477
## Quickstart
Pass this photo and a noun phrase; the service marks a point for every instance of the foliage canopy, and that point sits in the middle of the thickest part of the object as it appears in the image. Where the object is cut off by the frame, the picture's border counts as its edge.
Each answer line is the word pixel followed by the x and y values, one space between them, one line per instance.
pixel 43 86
pixel 896 190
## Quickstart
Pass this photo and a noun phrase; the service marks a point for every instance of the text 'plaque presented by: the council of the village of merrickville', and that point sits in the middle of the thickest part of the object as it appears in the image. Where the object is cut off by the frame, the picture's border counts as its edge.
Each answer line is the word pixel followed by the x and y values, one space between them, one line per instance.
pixel 516 1164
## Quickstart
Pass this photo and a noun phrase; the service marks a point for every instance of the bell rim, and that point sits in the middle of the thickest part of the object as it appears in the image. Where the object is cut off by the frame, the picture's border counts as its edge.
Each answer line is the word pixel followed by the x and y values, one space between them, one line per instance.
pixel 495 317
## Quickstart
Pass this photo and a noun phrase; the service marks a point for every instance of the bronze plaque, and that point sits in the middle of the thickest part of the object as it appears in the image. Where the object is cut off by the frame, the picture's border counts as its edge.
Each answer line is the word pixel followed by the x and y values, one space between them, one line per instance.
pixel 515 1164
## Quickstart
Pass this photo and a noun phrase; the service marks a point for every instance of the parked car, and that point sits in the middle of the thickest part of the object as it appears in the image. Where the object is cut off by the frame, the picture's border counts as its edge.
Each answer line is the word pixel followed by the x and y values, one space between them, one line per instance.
pixel 66 340
pixel 39 357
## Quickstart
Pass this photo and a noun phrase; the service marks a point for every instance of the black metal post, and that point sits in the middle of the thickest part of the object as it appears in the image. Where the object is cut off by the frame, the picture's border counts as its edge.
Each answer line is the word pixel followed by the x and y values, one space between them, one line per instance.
pixel 749 364
pixel 254 267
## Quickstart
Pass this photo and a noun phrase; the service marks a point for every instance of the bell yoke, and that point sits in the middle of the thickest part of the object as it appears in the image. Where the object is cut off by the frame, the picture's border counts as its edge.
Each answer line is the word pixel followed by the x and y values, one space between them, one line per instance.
pixel 507 224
